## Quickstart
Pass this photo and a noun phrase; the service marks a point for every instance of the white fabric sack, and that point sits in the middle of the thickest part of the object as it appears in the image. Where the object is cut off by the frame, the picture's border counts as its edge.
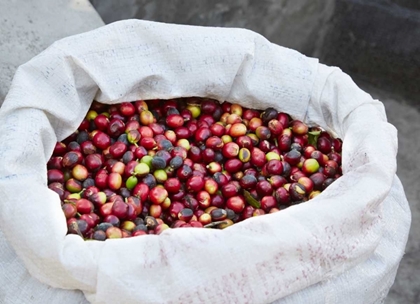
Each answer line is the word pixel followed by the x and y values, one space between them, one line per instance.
pixel 344 246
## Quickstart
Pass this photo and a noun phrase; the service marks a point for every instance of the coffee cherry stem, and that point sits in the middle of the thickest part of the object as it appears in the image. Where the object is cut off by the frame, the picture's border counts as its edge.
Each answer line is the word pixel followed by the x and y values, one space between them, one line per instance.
pixel 251 201
pixel 74 227
pixel 214 224
pixel 313 137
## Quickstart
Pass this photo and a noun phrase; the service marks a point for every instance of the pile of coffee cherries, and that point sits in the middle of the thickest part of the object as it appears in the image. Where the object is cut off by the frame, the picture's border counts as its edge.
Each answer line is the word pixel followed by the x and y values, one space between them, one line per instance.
pixel 141 167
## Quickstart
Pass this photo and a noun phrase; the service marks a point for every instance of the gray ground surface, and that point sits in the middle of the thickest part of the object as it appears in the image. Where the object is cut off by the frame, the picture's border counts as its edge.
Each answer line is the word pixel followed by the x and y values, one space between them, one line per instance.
pixel 26 32
pixel 27 28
